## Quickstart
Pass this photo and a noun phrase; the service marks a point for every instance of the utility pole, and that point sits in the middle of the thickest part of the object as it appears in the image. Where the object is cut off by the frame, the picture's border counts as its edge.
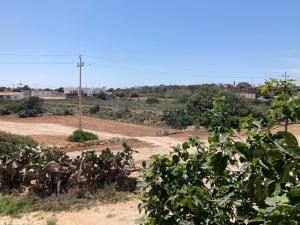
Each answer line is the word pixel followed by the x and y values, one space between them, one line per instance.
pixel 80 65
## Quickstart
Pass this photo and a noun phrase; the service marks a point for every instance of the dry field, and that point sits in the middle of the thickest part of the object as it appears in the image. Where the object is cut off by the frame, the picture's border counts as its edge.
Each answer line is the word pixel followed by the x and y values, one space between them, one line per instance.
pixel 55 129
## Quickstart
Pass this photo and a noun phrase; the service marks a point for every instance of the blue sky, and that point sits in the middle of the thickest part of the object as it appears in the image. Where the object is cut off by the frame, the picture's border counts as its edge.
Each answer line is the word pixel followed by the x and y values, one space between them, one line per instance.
pixel 148 42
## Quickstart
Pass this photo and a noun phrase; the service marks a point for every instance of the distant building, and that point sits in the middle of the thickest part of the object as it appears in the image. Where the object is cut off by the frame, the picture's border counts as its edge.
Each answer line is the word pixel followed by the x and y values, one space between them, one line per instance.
pixel 85 91
pixel 9 95
pixel 48 95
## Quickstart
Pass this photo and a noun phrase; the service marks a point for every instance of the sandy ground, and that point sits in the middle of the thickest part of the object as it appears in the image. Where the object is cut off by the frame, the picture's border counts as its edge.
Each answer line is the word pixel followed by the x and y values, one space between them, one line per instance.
pixel 109 214
pixel 58 128
pixel 48 129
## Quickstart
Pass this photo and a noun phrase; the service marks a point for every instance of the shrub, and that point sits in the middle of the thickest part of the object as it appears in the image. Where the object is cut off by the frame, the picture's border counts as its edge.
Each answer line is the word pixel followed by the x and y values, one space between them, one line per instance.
pixel 48 171
pixel 94 109
pixel 152 100
pixel 134 95
pixel 176 118
pixel 29 113
pixel 102 95
pixel 82 136
pixel 12 143
pixel 230 181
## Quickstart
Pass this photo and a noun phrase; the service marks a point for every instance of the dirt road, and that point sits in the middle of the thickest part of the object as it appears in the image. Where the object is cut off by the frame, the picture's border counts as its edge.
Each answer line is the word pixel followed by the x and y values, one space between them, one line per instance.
pixel 109 214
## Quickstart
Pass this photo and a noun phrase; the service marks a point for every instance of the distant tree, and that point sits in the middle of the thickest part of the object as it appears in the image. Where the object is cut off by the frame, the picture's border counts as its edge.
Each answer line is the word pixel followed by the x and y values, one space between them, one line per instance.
pixel 102 95
pixel 60 90
pixel 26 88
pixel 34 103
pixel 244 86
pixel 176 118
pixel 120 94
pixel 134 95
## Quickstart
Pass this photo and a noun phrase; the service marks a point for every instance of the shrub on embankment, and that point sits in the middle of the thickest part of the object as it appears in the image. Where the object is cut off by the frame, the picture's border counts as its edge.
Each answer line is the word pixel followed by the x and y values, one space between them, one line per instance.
pixel 82 136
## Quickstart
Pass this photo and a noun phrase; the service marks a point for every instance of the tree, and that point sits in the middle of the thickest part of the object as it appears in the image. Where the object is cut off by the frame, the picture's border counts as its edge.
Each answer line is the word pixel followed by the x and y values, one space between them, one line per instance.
pixel 176 118
pixel 102 95
pixel 201 102
pixel 60 90
pixel 244 86
pixel 285 101
pixel 229 181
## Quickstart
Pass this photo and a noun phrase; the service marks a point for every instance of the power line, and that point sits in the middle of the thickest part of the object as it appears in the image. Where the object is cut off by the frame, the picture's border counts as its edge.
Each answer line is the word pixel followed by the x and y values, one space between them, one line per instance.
pixel 38 55
pixel 33 63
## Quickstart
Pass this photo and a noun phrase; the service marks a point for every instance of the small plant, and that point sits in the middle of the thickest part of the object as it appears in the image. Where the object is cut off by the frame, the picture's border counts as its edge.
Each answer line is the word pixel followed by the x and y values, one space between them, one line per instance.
pixel 152 100
pixel 51 221
pixel 82 136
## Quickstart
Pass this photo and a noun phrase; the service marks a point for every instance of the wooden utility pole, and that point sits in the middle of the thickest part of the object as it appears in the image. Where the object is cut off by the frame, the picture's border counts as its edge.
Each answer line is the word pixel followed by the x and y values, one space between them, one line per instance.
pixel 80 65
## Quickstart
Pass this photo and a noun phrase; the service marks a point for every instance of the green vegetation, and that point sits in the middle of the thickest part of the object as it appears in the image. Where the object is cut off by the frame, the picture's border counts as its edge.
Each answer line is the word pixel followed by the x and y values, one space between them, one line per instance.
pixel 132 105
pixel 15 205
pixel 11 144
pixel 48 171
pixel 29 107
pixel 152 100
pixel 102 96
pixel 232 180
pixel 51 221
pixel 82 136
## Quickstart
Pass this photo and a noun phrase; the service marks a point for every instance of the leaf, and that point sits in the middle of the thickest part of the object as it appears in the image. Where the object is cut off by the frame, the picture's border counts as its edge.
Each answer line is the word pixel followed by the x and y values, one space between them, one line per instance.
pixel 276 200
pixel 219 163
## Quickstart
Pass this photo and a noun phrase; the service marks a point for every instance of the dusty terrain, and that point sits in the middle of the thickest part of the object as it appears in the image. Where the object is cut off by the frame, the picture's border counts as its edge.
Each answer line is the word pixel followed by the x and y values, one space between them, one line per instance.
pixel 55 129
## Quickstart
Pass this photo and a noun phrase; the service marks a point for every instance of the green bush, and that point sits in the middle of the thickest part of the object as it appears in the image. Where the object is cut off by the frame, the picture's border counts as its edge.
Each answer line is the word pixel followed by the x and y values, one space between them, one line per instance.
pixel 82 136
pixel 29 107
pixel 134 95
pixel 152 100
pixel 229 181
pixel 11 143
pixel 102 95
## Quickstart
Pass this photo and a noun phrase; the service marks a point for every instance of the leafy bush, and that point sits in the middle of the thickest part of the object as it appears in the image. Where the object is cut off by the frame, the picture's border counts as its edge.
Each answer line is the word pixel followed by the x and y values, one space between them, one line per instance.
pixel 12 143
pixel 134 95
pixel 226 182
pixel 152 100
pixel 232 180
pixel 48 171
pixel 102 95
pixel 30 107
pixel 82 136
pixel 94 109
pixel 177 118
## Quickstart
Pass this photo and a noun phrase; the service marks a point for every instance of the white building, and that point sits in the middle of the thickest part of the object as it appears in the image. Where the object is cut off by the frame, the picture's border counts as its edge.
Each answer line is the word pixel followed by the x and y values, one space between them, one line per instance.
pixel 9 95
pixel 71 91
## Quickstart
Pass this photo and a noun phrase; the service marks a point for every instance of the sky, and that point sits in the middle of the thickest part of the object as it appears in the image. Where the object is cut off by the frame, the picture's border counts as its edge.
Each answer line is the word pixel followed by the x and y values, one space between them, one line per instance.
pixel 147 42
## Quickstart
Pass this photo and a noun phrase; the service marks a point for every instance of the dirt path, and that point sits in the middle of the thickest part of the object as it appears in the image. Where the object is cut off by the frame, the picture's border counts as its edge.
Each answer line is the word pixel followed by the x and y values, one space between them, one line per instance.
pixel 109 214
pixel 90 123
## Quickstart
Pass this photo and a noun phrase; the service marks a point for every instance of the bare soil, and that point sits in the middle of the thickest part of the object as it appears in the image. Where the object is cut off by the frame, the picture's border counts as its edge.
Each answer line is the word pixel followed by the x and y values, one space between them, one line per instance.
pixel 96 124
